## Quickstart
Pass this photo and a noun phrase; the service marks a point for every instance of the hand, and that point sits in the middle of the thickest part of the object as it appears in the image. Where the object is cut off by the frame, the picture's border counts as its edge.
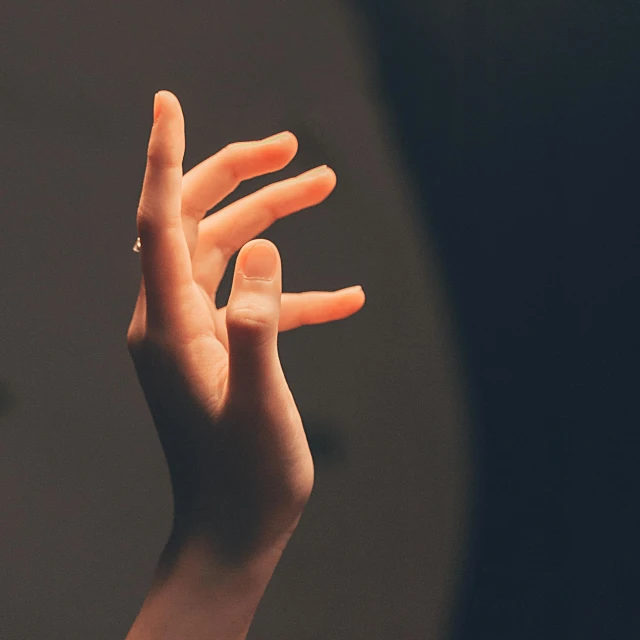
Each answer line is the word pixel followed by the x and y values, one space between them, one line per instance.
pixel 240 466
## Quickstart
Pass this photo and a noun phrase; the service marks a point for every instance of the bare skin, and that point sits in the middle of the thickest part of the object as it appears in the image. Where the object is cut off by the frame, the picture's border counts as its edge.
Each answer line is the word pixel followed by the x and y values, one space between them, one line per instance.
pixel 240 466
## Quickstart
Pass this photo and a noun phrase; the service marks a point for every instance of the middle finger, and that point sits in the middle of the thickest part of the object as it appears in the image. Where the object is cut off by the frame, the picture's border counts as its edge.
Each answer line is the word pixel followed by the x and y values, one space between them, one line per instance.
pixel 226 231
pixel 209 182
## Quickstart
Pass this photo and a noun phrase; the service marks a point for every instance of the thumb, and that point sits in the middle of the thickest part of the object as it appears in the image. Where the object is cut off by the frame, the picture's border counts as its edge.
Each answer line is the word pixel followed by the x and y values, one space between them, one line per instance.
pixel 253 315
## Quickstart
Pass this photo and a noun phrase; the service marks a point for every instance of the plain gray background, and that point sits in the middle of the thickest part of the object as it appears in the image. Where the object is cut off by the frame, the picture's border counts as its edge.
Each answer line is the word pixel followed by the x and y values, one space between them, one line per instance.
pixel 85 504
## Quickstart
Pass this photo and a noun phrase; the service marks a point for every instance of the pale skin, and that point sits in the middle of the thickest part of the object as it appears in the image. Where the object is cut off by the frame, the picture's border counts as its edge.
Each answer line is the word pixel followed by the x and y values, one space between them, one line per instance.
pixel 240 466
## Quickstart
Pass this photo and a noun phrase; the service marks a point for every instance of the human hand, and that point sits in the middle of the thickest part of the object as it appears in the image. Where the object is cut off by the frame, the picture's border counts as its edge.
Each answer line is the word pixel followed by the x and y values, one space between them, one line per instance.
pixel 240 466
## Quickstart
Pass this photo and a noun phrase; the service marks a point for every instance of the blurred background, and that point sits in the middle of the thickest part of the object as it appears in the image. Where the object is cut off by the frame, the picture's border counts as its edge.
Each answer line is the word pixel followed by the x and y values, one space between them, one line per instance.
pixel 474 427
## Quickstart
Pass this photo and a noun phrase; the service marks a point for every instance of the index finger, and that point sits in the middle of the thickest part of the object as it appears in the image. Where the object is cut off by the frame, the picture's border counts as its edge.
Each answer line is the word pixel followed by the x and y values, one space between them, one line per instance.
pixel 166 263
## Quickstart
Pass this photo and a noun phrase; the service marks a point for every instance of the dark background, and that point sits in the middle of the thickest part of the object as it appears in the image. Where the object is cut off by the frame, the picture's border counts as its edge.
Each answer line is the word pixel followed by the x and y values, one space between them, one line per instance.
pixel 487 178
pixel 520 121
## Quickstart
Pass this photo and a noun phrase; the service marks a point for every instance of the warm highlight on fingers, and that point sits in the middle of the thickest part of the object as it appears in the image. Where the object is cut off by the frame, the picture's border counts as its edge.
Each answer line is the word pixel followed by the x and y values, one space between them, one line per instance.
pixel 212 180
pixel 318 307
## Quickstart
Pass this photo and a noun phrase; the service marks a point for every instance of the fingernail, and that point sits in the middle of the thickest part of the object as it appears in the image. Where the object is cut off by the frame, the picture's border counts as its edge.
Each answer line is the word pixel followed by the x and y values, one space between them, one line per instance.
pixel 260 263
pixel 156 107
pixel 357 287
pixel 277 136
pixel 314 172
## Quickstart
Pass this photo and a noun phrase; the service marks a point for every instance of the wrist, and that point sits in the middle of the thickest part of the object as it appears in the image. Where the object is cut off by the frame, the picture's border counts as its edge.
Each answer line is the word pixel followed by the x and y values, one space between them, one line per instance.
pixel 198 558
pixel 231 536
pixel 196 593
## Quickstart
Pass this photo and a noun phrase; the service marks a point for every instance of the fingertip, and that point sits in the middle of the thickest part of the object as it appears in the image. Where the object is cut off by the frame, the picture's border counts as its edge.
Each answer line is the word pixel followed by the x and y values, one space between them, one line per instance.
pixel 334 176
pixel 165 101
pixel 355 288
pixel 165 94
pixel 286 137
pixel 293 137
pixel 357 294
pixel 326 174
pixel 273 153
pixel 265 262
pixel 167 138
pixel 289 141
pixel 322 184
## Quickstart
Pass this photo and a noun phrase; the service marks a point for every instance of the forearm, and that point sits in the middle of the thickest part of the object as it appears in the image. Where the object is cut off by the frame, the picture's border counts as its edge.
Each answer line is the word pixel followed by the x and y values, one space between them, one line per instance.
pixel 197 596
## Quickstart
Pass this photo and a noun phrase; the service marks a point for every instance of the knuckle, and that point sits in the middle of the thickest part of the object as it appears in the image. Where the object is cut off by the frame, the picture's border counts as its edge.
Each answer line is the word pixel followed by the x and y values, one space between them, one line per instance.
pixel 229 159
pixel 249 323
pixel 272 212
pixel 150 224
pixel 225 250
pixel 144 219
pixel 269 199
pixel 159 158
pixel 247 320
pixel 190 210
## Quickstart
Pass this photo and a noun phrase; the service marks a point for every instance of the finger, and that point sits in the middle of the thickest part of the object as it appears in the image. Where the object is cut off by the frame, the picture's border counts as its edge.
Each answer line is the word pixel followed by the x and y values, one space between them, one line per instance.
pixel 212 180
pixel 166 264
pixel 252 319
pixel 209 182
pixel 317 307
pixel 312 307
pixel 236 224
pixel 223 233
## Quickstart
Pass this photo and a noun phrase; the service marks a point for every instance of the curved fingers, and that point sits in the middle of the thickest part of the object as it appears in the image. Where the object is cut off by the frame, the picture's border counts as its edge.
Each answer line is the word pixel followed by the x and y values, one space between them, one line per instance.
pixel 209 182
pixel 228 230
pixel 241 221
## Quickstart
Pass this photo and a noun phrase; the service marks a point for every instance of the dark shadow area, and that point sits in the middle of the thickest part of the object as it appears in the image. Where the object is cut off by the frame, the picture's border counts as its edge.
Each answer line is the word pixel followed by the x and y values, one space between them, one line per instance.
pixel 520 123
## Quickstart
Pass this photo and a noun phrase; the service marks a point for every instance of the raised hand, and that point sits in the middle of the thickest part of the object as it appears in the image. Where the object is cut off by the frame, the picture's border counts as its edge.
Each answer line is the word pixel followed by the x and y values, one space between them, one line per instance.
pixel 240 466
